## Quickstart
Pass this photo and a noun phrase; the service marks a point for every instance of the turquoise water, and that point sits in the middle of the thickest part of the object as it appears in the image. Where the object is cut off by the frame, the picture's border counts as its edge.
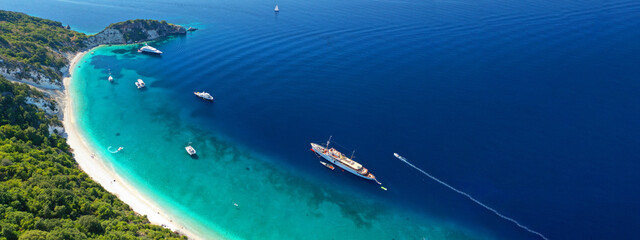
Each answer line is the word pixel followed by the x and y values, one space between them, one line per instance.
pixel 275 201
pixel 530 107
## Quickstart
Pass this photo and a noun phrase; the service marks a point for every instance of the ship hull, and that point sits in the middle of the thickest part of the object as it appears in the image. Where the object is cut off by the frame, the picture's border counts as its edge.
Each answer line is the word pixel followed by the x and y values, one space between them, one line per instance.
pixel 319 150
pixel 149 52
pixel 201 97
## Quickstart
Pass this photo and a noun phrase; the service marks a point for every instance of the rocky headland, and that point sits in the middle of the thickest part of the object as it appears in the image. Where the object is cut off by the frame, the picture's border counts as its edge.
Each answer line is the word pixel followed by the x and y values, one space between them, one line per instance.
pixel 133 31
pixel 43 61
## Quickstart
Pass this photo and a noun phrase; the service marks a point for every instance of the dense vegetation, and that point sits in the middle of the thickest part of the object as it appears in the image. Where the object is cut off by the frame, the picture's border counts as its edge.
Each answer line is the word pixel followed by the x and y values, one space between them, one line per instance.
pixel 31 45
pixel 43 193
pixel 31 42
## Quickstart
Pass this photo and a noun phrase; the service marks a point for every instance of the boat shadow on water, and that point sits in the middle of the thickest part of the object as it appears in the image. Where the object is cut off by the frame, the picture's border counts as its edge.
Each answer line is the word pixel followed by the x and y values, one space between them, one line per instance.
pixel 194 156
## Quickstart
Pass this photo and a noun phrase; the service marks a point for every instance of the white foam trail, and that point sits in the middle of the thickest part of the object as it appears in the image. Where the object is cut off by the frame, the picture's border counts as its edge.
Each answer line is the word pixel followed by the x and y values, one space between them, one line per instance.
pixel 472 199
pixel 116 151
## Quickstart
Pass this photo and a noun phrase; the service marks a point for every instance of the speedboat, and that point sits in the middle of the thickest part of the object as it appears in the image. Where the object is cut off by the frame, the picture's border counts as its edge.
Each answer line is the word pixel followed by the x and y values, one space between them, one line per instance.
pixel 190 150
pixel 140 83
pixel 149 49
pixel 204 95
pixel 327 165
pixel 399 157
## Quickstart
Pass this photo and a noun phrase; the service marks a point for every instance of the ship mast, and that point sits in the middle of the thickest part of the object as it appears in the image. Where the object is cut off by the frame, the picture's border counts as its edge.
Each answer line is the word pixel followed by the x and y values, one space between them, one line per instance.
pixel 328 141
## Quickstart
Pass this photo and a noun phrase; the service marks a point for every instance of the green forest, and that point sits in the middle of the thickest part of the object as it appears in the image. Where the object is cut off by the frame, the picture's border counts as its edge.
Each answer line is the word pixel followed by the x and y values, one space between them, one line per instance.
pixel 37 43
pixel 43 193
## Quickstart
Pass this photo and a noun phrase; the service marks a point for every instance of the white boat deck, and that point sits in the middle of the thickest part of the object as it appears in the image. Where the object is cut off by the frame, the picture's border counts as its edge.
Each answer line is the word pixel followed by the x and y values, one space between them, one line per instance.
pixel 345 160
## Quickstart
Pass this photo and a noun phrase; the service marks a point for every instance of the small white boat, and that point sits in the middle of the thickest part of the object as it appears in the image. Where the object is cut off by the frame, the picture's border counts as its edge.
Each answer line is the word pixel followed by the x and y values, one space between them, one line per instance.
pixel 149 49
pixel 276 9
pixel 110 77
pixel 204 95
pixel 399 157
pixel 190 150
pixel 327 165
pixel 140 83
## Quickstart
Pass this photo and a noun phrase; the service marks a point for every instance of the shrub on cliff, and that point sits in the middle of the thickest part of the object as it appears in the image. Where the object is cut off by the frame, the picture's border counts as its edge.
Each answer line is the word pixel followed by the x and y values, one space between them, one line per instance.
pixel 135 30
pixel 36 43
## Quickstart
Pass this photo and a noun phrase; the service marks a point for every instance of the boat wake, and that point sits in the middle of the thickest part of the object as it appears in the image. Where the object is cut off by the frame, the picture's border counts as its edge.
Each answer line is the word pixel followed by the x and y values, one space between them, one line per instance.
pixel 399 157
pixel 116 151
pixel 470 197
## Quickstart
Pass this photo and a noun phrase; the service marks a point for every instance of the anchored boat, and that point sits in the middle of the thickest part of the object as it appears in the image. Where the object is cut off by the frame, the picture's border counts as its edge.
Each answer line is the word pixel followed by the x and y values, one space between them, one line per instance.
pixel 334 156
pixel 149 49
pixel 140 83
pixel 328 165
pixel 190 150
pixel 110 77
pixel 204 95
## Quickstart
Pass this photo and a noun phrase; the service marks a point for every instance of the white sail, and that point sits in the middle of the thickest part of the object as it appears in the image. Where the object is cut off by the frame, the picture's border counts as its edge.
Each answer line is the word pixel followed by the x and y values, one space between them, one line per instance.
pixel 277 9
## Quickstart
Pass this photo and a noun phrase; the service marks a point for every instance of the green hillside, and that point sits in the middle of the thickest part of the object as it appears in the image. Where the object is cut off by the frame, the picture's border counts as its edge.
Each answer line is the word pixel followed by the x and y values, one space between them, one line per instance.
pixel 43 193
pixel 31 42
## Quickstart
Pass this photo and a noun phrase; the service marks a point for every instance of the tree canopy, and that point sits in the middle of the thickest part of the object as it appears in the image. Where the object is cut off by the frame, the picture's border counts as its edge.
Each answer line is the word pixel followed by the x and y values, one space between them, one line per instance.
pixel 43 193
pixel 36 42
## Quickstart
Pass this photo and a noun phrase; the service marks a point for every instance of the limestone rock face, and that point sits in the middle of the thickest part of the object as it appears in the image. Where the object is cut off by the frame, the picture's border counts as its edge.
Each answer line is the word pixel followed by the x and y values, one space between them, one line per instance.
pixel 133 31
pixel 107 36
pixel 47 106
pixel 24 73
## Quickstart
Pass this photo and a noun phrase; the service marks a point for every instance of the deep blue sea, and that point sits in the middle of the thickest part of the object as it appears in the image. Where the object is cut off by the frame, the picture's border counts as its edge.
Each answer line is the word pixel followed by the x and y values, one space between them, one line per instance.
pixel 530 107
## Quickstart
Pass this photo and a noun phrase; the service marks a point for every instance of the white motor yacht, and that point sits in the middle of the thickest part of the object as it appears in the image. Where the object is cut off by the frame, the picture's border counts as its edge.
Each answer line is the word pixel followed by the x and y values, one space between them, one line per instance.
pixel 149 49
pixel 190 150
pixel 204 95
pixel 140 83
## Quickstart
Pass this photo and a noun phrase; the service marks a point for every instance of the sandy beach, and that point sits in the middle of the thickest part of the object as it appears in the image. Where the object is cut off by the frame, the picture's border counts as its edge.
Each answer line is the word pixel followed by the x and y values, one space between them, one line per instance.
pixel 96 168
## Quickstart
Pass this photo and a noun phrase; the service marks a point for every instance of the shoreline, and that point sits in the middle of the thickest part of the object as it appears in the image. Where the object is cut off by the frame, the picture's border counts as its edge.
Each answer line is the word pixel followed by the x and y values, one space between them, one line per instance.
pixel 94 166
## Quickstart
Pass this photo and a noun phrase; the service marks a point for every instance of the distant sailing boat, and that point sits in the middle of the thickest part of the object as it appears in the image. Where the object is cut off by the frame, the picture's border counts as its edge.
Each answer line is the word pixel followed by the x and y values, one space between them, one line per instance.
pixel 276 9
pixel 110 77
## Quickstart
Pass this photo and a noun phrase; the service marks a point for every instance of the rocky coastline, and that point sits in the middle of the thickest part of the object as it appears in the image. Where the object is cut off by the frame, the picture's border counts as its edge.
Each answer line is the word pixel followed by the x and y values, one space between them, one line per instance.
pixel 49 80
pixel 127 32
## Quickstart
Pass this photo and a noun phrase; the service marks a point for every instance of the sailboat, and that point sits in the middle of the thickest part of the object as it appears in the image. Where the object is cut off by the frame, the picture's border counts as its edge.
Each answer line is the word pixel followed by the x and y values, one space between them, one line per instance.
pixel 110 77
pixel 276 9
